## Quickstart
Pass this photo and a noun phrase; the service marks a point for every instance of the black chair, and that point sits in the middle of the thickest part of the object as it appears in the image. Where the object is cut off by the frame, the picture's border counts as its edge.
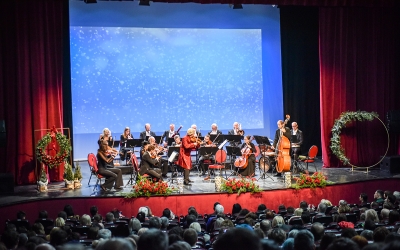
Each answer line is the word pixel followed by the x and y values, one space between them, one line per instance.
pixel 82 230
pixel 48 224
pixel 19 223
pixel 351 217
pixel 295 220
pixel 325 220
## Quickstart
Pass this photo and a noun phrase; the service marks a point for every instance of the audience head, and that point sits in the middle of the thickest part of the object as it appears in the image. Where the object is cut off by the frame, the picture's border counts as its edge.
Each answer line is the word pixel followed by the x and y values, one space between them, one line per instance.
pixel 144 210
pixel 109 217
pixel 265 225
pixel 303 205
pixel 348 233
pixel 322 208
pixel 141 216
pixel 261 208
pixel 278 221
pixel 21 215
pixel 59 222
pixel 278 235
pixel 393 217
pixel 369 225
pixel 318 230
pixel 10 238
pixel 219 209
pixel 155 222
pixel 371 214
pixel 304 240
pixel 134 225
pixel 68 210
pixel 58 237
pixel 63 215
pixel 343 243
pixel 305 217
pixel 177 231
pixel 85 220
pixel 164 223
pixel 290 210
pixel 236 208
pixel 190 236
pixel 93 210
pixel 380 234
pixel 180 245
pixel 298 212
pixel 115 244
pixel 43 214
pixel 378 194
pixel 363 197
pixel 243 212
pixel 168 213
pixel 368 234
pixel 238 239
pixel 153 239
pixel 326 240
pixel 104 234
pixel 92 233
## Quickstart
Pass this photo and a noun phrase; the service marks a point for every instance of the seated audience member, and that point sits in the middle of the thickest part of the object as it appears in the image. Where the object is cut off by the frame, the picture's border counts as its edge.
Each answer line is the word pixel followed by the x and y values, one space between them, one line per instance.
pixel 304 240
pixel 176 230
pixel 321 209
pixel 343 243
pixel 63 215
pixel 237 239
pixel 85 220
pixel 43 214
pixel 298 211
pixel 59 222
pixel 21 215
pixel 265 226
pixel 278 235
pixel 134 226
pixel 10 238
pixel 214 209
pixel 380 234
pixel 93 211
pixel 164 223
pixel 115 243
pixel 368 234
pixel 259 233
pixel 389 202
pixel 289 210
pixel 261 209
pixel 360 241
pixel 267 244
pixel 142 231
pixel 343 207
pixel 70 212
pixel 179 245
pixel 155 222
pixel 58 237
pixel 326 240
pixel 306 218
pixel 348 233
pixel 190 236
pixel 153 239
pixel 369 225
pixel 371 214
pixel 326 202
pixel 104 234
pixel 386 194
pixel 109 218
pixel 92 233
pixel 384 215
pixel 236 210
pixel 38 229
pixel 303 205
pixel 168 213
pixel 378 196
pixel 397 195
pixel 141 216
pixel 393 217
pixel 317 230
pixel 392 237
pixel 363 200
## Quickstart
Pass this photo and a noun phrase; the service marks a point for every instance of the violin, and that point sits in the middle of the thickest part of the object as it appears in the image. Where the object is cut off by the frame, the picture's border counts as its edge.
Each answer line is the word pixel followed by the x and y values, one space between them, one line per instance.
pixel 195 140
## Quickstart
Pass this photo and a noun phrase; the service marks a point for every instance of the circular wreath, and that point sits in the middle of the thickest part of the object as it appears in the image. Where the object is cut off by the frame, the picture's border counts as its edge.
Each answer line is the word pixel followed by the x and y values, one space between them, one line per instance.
pixel 53 161
pixel 340 123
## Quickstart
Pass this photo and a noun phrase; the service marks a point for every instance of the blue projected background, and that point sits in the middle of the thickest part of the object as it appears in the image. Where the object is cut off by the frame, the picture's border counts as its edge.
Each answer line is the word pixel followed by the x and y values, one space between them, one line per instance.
pixel 172 63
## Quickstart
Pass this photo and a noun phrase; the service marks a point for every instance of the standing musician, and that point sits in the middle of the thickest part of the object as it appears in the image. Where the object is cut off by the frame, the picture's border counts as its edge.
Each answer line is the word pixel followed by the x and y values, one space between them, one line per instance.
pixel 214 130
pixel 169 134
pixel 105 168
pixel 189 142
pixel 296 140
pixel 123 152
pixel 160 151
pixel 197 132
pixel 251 165
pixel 177 142
pixel 282 130
pixel 105 136
pixel 147 132
pixel 235 130
pixel 149 163
pixel 206 143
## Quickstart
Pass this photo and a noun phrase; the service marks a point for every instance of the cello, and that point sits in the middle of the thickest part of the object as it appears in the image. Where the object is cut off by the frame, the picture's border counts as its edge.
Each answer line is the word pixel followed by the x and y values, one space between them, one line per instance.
pixel 282 152
pixel 242 161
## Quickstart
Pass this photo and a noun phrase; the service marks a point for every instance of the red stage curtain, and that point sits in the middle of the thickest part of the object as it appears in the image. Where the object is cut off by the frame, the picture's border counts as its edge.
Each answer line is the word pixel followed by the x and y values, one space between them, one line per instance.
pixel 31 82
pixel 358 50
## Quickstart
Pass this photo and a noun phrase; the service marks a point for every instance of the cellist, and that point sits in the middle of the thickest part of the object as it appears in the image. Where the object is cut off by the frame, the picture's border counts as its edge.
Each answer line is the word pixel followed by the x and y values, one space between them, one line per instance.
pixel 251 165
pixel 282 130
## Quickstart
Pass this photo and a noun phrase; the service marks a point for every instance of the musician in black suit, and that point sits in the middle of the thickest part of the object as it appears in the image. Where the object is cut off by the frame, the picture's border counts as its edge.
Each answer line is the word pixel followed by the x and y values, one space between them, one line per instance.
pixel 160 152
pixel 235 130
pixel 147 132
pixel 296 140
pixel 198 133
pixel 149 163
pixel 214 130
pixel 284 131
pixel 169 134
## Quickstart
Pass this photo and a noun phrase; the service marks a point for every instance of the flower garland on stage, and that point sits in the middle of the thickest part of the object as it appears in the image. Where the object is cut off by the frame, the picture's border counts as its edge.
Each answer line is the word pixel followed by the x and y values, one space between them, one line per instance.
pixel 239 186
pixel 340 123
pixel 318 179
pixel 147 187
pixel 50 139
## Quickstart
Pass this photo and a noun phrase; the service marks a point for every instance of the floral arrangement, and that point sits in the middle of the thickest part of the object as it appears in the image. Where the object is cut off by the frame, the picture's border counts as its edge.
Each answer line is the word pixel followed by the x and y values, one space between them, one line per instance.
pixel 148 187
pixel 49 139
pixel 239 186
pixel 318 179
pixel 340 123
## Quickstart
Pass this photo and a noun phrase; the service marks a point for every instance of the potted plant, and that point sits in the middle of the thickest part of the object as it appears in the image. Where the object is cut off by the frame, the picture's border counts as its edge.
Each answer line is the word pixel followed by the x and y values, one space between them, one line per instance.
pixel 77 176
pixel 68 176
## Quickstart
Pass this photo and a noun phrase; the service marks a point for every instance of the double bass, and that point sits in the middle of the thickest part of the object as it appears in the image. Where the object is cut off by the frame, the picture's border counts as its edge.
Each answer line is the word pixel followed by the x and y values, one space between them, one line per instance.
pixel 243 160
pixel 283 152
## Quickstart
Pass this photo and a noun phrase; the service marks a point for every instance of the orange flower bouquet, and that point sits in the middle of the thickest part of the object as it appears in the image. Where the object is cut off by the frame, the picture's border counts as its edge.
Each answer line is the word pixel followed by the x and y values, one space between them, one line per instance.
pixel 240 186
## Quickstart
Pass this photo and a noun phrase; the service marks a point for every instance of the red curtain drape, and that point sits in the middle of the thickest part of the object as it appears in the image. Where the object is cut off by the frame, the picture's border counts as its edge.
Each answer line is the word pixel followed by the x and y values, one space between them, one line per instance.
pixel 31 80
pixel 358 48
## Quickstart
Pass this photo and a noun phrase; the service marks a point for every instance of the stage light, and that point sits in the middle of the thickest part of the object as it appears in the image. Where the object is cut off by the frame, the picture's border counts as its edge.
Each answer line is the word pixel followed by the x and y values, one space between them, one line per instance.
pixel 90 1
pixel 144 2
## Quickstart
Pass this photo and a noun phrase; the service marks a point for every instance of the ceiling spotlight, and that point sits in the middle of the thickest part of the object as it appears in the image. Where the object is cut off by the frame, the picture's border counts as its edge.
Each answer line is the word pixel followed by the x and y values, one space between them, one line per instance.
pixel 144 2
pixel 237 6
pixel 90 1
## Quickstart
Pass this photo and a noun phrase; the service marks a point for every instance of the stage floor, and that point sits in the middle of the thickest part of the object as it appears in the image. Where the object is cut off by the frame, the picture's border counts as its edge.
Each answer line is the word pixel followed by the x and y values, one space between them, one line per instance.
pixel 57 190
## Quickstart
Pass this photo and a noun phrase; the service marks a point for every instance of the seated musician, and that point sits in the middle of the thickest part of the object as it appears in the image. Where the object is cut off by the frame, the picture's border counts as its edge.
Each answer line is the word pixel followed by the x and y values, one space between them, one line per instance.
pixel 150 162
pixel 296 140
pixel 235 130
pixel 281 131
pixel 123 151
pixel 160 151
pixel 113 175
pixel 251 165
pixel 204 167
pixel 177 141
pixel 147 132
pixel 105 136
pixel 197 132
pixel 214 130
pixel 169 134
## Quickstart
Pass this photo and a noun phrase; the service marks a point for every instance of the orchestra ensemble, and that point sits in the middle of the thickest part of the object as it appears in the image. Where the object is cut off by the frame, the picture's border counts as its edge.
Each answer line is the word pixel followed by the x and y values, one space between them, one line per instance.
pixel 285 149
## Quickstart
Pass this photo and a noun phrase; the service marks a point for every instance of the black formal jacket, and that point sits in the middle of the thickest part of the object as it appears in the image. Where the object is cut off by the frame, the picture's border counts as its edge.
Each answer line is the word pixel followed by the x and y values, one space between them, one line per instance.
pixel 278 134
pixel 143 134
pixel 122 140
pixel 218 132
pixel 231 132
pixel 147 163
pixel 299 136
pixel 165 136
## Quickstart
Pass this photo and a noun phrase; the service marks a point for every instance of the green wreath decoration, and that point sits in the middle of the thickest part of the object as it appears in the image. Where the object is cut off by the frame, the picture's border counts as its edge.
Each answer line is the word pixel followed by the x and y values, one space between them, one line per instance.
pixel 340 123
pixel 53 161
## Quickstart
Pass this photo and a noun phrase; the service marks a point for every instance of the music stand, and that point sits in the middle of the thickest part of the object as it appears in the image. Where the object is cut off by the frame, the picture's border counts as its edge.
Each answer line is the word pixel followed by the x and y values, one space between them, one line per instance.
pixel 216 138
pixel 262 140
pixel 132 143
pixel 234 138
pixel 172 154
pixel 233 152
pixel 170 141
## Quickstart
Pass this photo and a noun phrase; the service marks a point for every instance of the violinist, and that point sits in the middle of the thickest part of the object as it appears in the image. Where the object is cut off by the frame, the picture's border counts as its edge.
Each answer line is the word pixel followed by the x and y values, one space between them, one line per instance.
pixel 105 168
pixel 150 162
pixel 197 132
pixel 177 141
pixel 204 167
pixel 169 134
pixel 147 132
pixel 159 152
pixel 143 149
pixel 106 136
pixel 189 143
pixel 251 165
pixel 214 130
pixel 123 152
pixel 281 131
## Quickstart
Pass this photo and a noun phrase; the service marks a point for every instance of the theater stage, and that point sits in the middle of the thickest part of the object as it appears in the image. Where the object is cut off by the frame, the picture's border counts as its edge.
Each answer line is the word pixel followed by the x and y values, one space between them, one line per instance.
pixel 348 185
